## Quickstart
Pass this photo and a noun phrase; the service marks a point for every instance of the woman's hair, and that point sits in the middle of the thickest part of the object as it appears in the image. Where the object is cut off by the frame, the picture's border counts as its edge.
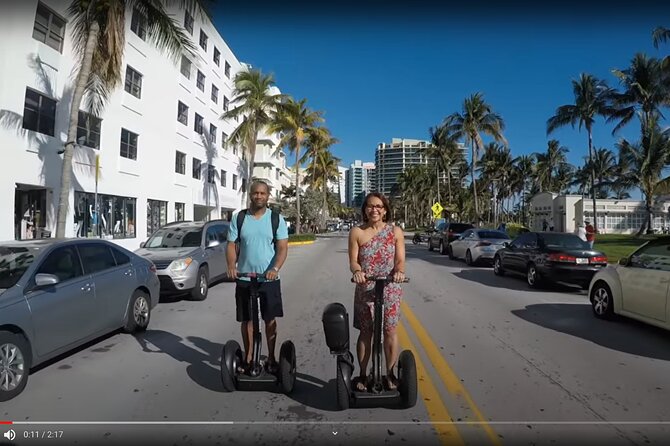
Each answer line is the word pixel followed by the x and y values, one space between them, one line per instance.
pixel 384 200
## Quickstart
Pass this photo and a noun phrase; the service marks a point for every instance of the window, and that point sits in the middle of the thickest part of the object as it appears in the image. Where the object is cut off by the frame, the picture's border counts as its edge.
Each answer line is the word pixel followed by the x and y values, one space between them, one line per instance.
pixel 138 24
pixel 156 215
pixel 216 233
pixel 188 23
pixel 39 113
pixel 217 56
pixel 196 168
pixel 200 82
pixel 203 40
pixel 180 163
pixel 88 130
pixel 226 70
pixel 225 103
pixel 129 144
pixel 199 124
pixel 223 178
pixel 182 113
pixel 224 139
pixel 212 133
pixel 179 211
pixel 276 174
pixel 117 216
pixel 234 182
pixel 215 94
pixel 96 257
pixel 121 257
pixel 49 28
pixel 211 174
pixel 63 263
pixel 655 255
pixel 185 67
pixel 133 82
pixel 244 185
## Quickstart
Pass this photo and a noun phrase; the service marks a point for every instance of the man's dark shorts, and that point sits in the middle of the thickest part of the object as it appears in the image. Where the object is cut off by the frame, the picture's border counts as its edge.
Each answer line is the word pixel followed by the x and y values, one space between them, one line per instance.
pixel 271 304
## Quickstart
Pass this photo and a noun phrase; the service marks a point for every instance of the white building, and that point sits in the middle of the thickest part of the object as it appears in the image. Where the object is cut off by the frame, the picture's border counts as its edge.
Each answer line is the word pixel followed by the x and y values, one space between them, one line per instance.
pixel 339 187
pixel 614 216
pixel 270 166
pixel 360 180
pixel 155 166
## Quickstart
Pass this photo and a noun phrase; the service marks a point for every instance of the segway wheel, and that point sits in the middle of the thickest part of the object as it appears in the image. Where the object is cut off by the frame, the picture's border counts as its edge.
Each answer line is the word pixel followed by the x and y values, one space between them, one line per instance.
pixel 343 396
pixel 231 358
pixel 287 367
pixel 407 385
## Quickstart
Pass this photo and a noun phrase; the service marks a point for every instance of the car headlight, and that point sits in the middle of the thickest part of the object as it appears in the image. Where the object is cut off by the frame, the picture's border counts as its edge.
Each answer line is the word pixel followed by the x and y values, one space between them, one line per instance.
pixel 180 265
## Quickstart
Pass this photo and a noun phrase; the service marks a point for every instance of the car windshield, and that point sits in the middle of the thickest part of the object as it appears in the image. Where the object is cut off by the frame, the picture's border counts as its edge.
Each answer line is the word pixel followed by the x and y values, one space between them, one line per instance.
pixel 565 241
pixel 493 235
pixel 175 238
pixel 14 261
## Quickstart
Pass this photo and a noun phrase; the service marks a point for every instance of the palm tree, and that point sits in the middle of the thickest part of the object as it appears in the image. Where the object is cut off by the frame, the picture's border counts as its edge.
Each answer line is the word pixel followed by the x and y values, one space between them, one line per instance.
pixel 643 164
pixel 549 163
pixel 323 170
pixel 661 34
pixel 592 98
pixel 524 171
pixel 606 170
pixel 256 101
pixel 476 117
pixel 446 152
pixel 294 120
pixel 98 35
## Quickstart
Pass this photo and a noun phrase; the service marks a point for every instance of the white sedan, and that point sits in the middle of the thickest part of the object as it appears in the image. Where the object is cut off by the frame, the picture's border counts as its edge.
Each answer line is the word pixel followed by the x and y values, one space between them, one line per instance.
pixel 637 287
pixel 477 245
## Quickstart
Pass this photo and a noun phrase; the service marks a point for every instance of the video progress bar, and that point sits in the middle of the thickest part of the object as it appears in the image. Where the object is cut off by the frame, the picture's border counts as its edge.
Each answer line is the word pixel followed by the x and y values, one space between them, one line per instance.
pixel 338 423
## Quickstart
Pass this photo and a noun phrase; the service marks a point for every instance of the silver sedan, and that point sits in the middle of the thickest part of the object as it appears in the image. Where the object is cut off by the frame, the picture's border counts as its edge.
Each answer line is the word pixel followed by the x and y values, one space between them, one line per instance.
pixel 477 245
pixel 58 294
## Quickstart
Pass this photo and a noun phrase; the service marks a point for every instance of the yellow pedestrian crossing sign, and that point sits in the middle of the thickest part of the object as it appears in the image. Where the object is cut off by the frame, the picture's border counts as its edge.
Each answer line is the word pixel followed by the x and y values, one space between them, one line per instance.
pixel 437 210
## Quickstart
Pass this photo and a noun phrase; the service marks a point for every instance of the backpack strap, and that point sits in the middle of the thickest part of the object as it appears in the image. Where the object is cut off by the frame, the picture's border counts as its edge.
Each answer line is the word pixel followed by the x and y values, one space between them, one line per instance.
pixel 275 224
pixel 240 222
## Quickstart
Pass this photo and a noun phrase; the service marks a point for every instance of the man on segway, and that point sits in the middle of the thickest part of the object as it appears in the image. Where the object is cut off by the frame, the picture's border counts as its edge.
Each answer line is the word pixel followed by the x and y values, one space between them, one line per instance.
pixel 261 235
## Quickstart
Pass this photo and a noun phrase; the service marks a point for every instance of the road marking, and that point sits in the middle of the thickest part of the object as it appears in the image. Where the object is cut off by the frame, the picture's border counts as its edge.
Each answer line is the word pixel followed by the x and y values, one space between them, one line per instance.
pixel 445 372
pixel 437 411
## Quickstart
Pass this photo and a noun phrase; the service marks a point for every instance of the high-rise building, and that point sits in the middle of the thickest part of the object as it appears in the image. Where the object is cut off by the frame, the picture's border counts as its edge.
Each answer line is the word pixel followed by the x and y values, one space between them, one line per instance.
pixel 358 182
pixel 163 150
pixel 338 186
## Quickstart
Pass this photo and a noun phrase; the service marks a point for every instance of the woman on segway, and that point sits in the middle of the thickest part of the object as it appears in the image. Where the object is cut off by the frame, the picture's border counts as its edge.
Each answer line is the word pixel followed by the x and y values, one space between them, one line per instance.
pixel 376 248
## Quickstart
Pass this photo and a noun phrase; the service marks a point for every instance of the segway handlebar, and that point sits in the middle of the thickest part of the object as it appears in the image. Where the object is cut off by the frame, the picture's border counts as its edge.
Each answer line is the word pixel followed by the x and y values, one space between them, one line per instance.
pixel 252 275
pixel 388 278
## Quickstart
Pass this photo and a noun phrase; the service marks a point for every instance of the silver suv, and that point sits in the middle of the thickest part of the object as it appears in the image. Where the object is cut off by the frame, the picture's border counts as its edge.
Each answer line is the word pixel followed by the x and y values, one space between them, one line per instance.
pixel 188 256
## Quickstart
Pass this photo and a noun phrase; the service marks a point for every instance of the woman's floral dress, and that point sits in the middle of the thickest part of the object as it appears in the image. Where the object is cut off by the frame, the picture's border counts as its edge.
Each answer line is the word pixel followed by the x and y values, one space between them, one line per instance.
pixel 376 257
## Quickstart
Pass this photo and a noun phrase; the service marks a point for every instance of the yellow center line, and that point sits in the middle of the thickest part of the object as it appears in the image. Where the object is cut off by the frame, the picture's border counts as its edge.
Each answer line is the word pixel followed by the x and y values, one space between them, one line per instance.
pixel 445 372
pixel 447 433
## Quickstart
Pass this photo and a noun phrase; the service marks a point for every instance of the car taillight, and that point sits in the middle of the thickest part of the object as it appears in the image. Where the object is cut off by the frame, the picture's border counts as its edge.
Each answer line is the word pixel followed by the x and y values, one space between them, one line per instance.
pixel 152 268
pixel 482 244
pixel 563 258
pixel 599 259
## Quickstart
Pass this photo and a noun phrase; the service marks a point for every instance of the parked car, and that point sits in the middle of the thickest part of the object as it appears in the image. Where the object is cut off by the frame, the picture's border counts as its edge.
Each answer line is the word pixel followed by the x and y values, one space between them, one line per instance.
pixel 550 257
pixel 477 245
pixel 57 294
pixel 637 287
pixel 446 233
pixel 188 256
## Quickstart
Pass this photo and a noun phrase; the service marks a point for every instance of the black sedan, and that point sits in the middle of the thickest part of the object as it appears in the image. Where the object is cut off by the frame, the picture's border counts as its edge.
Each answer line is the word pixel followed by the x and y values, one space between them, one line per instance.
pixel 550 257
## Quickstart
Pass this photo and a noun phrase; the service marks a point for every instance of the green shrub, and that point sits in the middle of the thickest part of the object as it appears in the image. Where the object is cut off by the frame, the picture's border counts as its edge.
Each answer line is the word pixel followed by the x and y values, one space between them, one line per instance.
pixel 301 238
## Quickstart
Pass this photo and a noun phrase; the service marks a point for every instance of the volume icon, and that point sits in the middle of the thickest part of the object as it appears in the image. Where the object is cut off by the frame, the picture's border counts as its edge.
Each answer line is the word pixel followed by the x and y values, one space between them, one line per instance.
pixel 10 434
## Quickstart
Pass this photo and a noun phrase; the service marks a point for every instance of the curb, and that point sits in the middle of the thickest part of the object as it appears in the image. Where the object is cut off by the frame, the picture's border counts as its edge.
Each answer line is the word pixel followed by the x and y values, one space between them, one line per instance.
pixel 310 242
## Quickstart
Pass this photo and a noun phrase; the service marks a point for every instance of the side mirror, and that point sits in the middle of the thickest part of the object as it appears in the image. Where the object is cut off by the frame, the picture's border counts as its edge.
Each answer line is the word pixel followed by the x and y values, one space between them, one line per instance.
pixel 213 243
pixel 623 261
pixel 143 244
pixel 45 280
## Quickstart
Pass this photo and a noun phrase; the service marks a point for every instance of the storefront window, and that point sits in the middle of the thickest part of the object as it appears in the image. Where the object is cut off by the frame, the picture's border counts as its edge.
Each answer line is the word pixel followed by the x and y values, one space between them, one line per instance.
pixel 115 219
pixel 156 215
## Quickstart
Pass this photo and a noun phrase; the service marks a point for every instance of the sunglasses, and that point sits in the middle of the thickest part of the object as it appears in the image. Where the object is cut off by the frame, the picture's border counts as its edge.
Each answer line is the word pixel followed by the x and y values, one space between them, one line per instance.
pixel 379 207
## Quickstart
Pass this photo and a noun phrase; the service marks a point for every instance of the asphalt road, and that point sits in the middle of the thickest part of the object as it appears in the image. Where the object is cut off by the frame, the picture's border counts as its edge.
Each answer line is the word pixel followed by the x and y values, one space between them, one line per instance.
pixel 498 364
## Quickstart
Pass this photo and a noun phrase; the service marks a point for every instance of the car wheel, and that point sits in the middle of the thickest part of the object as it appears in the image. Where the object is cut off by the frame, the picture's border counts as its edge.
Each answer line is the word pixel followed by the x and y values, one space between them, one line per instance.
pixel 532 276
pixel 138 314
pixel 14 364
pixel 443 250
pixel 199 292
pixel 468 258
pixel 601 301
pixel 430 245
pixel 497 266
pixel 450 251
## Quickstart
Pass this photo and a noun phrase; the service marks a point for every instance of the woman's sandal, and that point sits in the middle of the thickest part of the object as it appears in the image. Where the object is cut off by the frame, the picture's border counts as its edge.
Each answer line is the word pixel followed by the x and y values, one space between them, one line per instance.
pixel 243 367
pixel 361 383
pixel 391 382
pixel 272 367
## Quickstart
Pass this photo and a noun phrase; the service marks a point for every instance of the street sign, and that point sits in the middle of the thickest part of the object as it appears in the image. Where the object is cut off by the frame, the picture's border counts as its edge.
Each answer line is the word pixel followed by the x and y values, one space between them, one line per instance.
pixel 437 210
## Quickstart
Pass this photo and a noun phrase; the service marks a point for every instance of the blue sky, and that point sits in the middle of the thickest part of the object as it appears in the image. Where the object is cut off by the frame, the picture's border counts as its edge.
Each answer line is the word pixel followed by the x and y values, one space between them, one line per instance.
pixel 380 72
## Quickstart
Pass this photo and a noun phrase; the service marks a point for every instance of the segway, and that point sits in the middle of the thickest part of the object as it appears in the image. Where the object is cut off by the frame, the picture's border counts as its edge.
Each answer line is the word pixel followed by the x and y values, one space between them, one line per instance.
pixel 336 326
pixel 257 376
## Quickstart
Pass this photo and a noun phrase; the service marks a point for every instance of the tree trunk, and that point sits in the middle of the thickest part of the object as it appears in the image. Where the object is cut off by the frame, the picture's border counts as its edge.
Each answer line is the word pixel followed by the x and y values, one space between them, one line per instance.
pixel 297 179
pixel 66 175
pixel 250 167
pixel 325 207
pixel 474 181
pixel 593 181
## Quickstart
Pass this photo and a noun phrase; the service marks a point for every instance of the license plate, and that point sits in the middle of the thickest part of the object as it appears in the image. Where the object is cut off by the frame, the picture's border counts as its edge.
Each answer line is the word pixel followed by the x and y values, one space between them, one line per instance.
pixel 582 261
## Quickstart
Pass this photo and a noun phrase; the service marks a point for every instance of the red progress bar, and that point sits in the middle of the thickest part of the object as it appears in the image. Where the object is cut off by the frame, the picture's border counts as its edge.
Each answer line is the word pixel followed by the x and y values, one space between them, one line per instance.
pixel 6 422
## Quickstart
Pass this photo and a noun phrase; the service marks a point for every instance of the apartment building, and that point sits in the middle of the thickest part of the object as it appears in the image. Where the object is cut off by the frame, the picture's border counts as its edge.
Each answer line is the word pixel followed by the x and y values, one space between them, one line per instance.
pixel 360 181
pixel 162 147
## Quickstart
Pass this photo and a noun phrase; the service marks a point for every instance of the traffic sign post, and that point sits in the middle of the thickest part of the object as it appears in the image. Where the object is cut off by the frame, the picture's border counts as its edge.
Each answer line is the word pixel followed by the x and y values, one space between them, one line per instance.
pixel 437 210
